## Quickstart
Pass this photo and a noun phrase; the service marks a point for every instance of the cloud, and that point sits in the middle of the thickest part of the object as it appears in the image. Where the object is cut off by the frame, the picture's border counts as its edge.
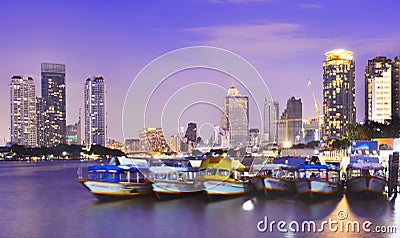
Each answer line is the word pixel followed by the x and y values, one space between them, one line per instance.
pixel 282 40
pixel 309 5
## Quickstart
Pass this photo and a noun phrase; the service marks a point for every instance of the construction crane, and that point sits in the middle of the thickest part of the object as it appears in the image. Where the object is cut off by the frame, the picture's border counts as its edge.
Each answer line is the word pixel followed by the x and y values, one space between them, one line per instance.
pixel 316 104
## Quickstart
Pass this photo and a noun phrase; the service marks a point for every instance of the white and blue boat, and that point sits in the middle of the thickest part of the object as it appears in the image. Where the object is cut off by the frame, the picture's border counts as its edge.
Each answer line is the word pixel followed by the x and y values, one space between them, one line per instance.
pixel 365 176
pixel 278 177
pixel 316 180
pixel 122 179
pixel 173 182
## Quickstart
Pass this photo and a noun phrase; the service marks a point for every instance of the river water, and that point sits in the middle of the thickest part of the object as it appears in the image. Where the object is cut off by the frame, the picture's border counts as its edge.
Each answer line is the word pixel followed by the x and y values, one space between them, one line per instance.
pixel 43 200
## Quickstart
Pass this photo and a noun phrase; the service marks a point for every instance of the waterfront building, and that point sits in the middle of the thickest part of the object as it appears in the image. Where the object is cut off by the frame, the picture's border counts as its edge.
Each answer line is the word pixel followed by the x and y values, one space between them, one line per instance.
pixel 271 117
pixel 235 118
pixel 153 140
pixel 311 128
pixel 396 87
pixel 40 119
pixel 54 103
pixel 378 89
pixel 338 92
pixel 23 128
pixel 95 111
pixel 290 126
pixel 132 145
pixel 74 134
pixel 175 143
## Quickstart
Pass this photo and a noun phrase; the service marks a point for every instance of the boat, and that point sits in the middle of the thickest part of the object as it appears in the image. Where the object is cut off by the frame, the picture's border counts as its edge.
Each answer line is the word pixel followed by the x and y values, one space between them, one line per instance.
pixel 173 182
pixel 278 177
pixel 316 180
pixel 123 178
pixel 365 176
pixel 221 177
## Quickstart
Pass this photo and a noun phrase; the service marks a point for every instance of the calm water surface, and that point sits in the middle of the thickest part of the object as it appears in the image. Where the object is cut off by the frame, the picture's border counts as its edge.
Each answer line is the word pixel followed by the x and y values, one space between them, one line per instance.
pixel 43 200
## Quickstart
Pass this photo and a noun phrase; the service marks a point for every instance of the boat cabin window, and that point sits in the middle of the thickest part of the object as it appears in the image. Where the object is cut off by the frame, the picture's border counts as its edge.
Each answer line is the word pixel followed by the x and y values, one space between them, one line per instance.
pixel 353 173
pixel 379 172
pixel 123 176
pixel 90 174
pixel 223 172
pixel 211 171
pixel 181 176
pixel 201 173
pixel 100 174
pixel 172 176
pixel 160 176
pixel 112 175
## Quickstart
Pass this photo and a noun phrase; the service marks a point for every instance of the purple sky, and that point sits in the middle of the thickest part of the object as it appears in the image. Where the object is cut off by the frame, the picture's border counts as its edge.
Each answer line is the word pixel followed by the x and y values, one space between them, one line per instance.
pixel 284 40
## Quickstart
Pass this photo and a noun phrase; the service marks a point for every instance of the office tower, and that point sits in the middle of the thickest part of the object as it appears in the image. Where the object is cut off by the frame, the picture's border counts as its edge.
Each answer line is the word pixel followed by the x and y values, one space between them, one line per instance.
pixel 338 92
pixel 236 121
pixel 271 116
pixel 53 94
pixel 23 111
pixel 73 131
pixel 95 111
pixel 396 87
pixel 191 133
pixel 378 89
pixel 175 143
pixel 291 123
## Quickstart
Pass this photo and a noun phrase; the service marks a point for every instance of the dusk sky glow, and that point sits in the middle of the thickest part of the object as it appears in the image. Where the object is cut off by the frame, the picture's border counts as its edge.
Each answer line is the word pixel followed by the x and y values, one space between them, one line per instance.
pixel 284 40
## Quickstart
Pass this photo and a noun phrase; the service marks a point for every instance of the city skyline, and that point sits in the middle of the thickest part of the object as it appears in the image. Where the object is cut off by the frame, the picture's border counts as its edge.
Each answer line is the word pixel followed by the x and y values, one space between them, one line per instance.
pixel 285 42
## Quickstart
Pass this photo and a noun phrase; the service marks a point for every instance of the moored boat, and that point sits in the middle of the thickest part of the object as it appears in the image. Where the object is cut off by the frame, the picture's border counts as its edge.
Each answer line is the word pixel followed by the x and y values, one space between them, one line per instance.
pixel 123 179
pixel 315 180
pixel 169 182
pixel 278 177
pixel 223 177
pixel 365 176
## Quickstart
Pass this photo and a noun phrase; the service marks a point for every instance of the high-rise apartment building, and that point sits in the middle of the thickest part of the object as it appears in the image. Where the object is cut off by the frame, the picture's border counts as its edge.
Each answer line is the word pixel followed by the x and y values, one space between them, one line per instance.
pixel 95 111
pixel 291 123
pixel 236 118
pixel 338 92
pixel 23 129
pixel 53 94
pixel 191 133
pixel 378 89
pixel 271 116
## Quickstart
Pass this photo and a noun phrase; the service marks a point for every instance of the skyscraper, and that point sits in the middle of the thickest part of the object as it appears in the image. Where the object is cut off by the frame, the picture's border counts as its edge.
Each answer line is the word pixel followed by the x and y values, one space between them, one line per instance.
pixel 191 133
pixel 291 123
pixel 396 87
pixel 23 111
pixel 40 119
pixel 53 94
pixel 95 111
pixel 236 109
pixel 338 92
pixel 378 89
pixel 271 116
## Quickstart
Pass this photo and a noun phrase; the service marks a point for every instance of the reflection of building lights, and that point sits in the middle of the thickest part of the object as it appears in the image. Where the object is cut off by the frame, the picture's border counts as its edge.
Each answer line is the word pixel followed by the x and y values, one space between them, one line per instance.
pixel 287 144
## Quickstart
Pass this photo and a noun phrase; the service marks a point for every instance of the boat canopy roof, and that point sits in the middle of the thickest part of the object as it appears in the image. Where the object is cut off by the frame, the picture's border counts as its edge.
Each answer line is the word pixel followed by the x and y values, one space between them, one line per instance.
pixel 117 168
pixel 363 159
pixel 219 162
pixel 290 160
pixel 375 166
pixel 167 169
pixel 131 162
pixel 317 167
pixel 272 166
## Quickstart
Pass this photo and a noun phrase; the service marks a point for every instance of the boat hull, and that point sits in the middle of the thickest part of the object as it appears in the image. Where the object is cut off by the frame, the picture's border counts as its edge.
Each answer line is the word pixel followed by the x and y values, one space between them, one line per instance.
pixel 114 191
pixel 316 188
pixel 166 190
pixel 366 186
pixel 271 185
pixel 218 188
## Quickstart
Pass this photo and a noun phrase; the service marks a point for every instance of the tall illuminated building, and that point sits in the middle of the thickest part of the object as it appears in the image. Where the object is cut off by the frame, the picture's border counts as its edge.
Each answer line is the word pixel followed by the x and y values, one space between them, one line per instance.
pixel 95 111
pixel 53 94
pixel 290 126
pixel 236 118
pixel 23 128
pixel 271 116
pixel 396 87
pixel 378 89
pixel 338 92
